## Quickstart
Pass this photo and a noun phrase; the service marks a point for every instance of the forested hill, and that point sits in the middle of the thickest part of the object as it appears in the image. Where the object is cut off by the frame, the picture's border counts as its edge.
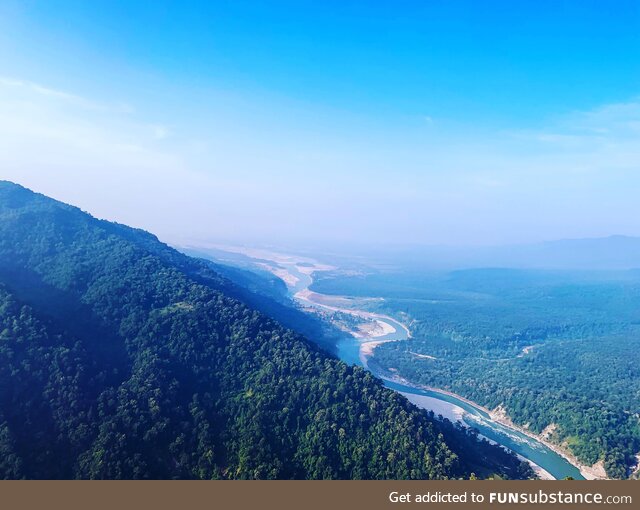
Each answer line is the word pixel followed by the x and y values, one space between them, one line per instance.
pixel 122 358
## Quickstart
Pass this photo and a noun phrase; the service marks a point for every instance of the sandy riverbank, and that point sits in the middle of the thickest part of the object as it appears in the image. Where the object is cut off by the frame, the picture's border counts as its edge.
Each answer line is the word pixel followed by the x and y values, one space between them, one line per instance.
pixel 449 411
pixel 367 347
pixel 310 268
pixel 540 472
pixel 374 329
pixel 289 279
pixel 595 472
pixel 366 350
pixel 316 299
pixel 455 413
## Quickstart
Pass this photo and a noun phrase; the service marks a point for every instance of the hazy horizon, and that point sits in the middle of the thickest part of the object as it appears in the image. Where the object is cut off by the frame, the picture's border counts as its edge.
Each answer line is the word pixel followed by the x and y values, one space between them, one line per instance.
pixel 334 124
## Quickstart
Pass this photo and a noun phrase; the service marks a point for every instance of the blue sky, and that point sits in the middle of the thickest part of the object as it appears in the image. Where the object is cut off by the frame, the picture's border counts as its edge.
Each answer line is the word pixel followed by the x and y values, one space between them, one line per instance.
pixel 429 122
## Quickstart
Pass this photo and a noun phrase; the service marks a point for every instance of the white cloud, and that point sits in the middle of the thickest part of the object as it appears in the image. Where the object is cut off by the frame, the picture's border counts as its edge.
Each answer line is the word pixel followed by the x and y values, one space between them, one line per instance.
pixel 26 86
pixel 609 124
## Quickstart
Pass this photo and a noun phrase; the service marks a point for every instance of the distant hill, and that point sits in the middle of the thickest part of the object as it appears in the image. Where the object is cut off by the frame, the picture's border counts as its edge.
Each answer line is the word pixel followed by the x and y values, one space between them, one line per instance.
pixel 614 253
pixel 123 358
pixel 606 253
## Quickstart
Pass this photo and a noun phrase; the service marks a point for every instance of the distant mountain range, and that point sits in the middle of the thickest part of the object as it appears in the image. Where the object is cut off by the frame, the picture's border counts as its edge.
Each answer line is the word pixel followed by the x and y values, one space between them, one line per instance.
pixel 614 253
pixel 606 253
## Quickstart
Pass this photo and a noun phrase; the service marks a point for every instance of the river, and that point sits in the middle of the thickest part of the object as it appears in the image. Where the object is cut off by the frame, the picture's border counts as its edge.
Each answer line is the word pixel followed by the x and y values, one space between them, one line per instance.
pixel 349 351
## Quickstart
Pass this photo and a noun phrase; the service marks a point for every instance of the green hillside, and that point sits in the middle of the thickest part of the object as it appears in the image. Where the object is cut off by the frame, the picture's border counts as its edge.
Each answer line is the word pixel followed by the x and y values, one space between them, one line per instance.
pixel 122 358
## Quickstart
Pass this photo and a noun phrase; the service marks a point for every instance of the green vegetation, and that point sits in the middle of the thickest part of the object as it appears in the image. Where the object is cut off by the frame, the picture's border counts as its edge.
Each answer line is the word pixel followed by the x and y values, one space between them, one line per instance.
pixel 122 358
pixel 555 349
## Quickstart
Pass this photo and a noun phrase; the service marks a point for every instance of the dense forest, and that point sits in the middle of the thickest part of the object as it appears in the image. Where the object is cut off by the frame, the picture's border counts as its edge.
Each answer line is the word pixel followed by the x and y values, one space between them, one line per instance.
pixel 558 350
pixel 122 358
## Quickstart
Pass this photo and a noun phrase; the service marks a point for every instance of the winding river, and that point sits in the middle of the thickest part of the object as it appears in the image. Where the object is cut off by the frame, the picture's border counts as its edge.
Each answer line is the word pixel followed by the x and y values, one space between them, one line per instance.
pixel 349 351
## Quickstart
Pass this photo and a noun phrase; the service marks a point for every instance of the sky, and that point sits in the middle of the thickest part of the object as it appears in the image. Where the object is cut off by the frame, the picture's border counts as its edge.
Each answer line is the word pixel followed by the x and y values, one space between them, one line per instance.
pixel 328 123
